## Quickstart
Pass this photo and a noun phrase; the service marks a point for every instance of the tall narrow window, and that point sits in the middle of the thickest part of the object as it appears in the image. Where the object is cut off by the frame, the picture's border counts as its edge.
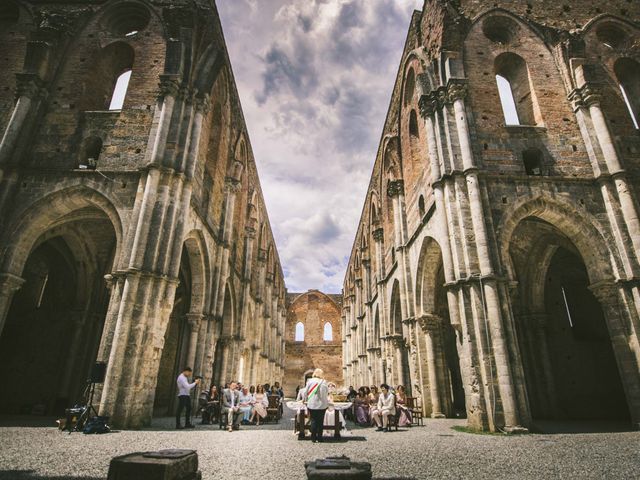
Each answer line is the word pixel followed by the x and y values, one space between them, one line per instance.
pixel 518 99
pixel 120 91
pixel 507 101
pixel 299 332
pixel 328 332
pixel 628 73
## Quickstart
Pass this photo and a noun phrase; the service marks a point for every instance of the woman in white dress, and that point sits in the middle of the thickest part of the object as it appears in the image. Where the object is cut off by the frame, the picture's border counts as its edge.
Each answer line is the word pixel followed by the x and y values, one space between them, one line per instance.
pixel 261 402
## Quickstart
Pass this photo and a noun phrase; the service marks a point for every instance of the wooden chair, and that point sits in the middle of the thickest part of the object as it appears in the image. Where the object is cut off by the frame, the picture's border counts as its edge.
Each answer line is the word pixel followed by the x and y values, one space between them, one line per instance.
pixel 417 416
pixel 273 410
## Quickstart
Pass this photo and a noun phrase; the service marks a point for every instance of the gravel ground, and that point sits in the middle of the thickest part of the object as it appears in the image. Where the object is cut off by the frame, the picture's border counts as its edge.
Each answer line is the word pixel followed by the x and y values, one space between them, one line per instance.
pixel 273 452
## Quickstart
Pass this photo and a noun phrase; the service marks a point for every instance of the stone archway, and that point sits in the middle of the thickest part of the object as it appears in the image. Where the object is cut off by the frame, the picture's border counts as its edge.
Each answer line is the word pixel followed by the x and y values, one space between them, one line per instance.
pixel 54 323
pixel 569 361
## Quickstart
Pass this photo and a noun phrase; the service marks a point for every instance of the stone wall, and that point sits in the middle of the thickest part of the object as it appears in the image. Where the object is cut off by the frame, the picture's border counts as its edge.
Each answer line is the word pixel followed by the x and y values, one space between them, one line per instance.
pixel 452 286
pixel 313 310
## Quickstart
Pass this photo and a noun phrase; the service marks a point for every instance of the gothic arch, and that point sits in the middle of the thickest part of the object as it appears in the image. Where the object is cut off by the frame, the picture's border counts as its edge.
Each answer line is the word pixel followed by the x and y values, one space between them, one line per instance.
pixel 199 260
pixel 429 262
pixel 54 209
pixel 596 248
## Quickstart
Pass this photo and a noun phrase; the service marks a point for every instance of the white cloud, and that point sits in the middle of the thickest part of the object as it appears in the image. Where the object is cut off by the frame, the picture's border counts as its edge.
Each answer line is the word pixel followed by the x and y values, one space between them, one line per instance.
pixel 315 78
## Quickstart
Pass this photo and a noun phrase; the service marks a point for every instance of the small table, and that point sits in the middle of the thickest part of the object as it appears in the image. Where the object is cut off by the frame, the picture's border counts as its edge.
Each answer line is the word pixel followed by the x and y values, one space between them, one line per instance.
pixel 300 425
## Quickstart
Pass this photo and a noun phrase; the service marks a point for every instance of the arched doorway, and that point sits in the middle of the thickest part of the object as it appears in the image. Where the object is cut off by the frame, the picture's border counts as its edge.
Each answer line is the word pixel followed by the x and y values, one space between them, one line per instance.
pixel 175 344
pixel 54 325
pixel 568 359
pixel 441 359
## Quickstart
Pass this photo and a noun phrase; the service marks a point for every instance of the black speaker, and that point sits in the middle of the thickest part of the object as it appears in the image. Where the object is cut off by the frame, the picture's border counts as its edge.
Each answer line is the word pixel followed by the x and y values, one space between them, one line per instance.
pixel 98 372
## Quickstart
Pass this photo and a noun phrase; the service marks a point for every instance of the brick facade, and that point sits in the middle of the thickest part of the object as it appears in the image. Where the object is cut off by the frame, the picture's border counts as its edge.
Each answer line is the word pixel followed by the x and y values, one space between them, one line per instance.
pixel 313 310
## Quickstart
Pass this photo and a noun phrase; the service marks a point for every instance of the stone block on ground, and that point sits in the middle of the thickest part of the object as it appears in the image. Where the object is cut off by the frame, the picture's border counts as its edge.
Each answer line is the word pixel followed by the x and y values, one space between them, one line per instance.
pixel 161 465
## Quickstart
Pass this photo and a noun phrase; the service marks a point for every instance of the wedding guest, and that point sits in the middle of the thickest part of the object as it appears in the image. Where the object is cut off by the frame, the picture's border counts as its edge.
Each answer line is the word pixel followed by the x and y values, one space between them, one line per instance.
pixel 404 419
pixel 231 406
pixel 260 404
pixel 386 407
pixel 361 407
pixel 246 405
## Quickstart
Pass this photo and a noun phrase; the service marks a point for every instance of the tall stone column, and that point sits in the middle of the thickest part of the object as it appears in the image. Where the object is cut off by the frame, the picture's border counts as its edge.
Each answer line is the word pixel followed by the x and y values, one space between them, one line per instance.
pixel 193 321
pixel 9 285
pixel 431 325
pixel 499 337
pixel 620 330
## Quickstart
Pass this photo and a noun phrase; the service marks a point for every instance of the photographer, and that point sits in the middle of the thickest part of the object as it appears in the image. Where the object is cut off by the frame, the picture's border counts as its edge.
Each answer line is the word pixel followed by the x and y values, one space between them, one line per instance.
pixel 184 397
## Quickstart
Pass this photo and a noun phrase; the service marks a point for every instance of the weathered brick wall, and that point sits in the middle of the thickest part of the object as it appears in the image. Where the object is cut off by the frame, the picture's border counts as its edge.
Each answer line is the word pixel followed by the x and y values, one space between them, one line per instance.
pixel 314 309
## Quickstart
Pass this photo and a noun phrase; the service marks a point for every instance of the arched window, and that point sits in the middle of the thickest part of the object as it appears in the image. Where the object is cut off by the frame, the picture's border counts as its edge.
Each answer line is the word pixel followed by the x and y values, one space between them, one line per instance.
pixel 409 86
pixel 299 332
pixel 516 95
pixel 628 73
pixel 120 91
pixel 532 159
pixel 108 78
pixel 421 206
pixel 328 332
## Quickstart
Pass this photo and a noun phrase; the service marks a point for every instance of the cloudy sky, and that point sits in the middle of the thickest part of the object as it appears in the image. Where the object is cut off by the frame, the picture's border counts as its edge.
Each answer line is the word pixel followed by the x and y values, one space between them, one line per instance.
pixel 315 79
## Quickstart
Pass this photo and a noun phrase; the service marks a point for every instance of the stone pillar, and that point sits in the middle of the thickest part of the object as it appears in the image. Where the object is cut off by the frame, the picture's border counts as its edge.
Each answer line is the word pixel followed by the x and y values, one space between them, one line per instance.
pixel 193 321
pixel 9 285
pixel 499 337
pixel 620 330
pixel 430 326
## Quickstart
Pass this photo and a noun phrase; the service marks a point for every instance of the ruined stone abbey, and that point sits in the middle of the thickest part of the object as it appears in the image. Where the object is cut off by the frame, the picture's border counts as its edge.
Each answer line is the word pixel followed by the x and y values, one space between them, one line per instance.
pixel 496 266
pixel 131 232
pixel 495 270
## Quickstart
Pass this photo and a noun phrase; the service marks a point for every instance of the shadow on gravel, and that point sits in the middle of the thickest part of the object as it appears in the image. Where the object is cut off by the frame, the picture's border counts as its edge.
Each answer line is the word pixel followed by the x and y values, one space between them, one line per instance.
pixel 31 421
pixel 31 475
pixel 551 427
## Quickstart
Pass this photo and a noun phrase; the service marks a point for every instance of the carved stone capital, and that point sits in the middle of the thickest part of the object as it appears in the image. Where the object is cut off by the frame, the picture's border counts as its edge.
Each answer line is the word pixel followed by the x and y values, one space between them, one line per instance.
pixel 378 234
pixel 395 188
pixel 456 90
pixel 250 232
pixel 10 283
pixel 232 185
pixel 169 86
pixel 29 85
pixel 202 103
pixel 430 323
pixel 427 106
pixel 605 292
pixel 194 320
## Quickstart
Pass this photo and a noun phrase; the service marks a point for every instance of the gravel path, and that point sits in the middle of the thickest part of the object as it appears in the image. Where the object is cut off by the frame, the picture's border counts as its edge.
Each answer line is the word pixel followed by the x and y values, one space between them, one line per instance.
pixel 273 452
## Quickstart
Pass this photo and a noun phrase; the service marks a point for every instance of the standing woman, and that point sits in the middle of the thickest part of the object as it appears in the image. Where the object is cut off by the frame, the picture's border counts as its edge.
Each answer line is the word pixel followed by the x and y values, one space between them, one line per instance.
pixel 317 401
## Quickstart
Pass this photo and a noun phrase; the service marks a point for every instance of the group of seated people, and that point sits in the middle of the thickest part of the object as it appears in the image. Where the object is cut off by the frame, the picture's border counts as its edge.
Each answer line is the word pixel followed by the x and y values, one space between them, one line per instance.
pixel 373 406
pixel 240 403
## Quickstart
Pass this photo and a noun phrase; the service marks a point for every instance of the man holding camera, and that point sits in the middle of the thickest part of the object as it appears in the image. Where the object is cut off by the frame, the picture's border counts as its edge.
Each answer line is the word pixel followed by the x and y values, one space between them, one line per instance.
pixel 184 397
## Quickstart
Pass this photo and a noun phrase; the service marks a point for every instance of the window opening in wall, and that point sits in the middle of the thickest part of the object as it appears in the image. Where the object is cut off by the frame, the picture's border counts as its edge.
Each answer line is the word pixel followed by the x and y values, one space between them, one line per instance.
pixel 93 149
pixel 410 86
pixel 328 332
pixel 120 91
pixel 299 332
pixel 532 159
pixel 629 107
pixel 421 206
pixel 627 71
pixel 413 124
pixel 507 101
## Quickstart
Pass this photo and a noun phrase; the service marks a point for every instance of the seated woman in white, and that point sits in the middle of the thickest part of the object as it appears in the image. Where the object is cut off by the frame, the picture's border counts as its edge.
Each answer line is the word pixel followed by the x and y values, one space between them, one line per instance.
pixel 260 404
pixel 386 407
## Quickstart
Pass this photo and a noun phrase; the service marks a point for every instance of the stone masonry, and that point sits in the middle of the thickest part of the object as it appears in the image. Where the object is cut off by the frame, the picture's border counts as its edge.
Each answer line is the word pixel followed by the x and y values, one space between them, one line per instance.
pixel 495 269
pixel 309 313
pixel 136 236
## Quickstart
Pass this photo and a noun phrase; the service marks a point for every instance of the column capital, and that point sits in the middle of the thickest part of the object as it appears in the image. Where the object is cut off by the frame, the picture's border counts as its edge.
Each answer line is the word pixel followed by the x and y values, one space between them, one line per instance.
pixel 430 322
pixel 378 234
pixel 456 90
pixel 29 85
pixel 10 282
pixel 427 106
pixel 194 320
pixel 169 85
pixel 395 188
pixel 202 103
pixel 605 292
pixel 232 185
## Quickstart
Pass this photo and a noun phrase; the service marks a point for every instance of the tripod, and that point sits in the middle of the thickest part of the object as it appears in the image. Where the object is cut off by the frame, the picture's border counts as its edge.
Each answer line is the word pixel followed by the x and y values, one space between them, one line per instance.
pixel 89 408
